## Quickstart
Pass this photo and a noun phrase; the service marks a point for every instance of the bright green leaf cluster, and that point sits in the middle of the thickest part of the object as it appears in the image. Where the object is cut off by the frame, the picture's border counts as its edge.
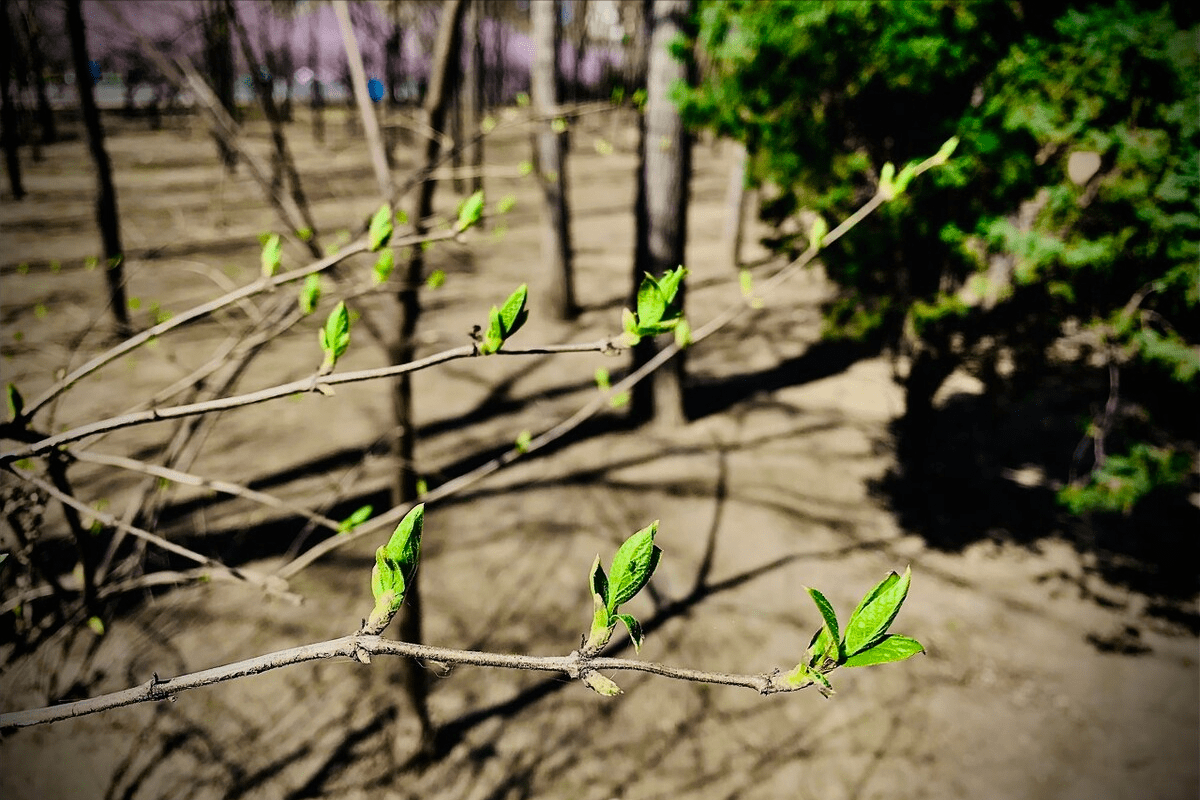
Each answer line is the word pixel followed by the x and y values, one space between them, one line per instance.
pixel 380 231
pixel 383 266
pixel 632 566
pixel 335 336
pixel 470 211
pixel 657 309
pixel 503 322
pixel 395 569
pixel 865 641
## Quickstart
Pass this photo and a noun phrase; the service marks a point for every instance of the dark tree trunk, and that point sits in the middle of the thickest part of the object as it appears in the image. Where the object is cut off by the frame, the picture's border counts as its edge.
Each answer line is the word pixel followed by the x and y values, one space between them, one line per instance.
pixel 218 58
pixel 318 99
pixel 664 153
pixel 550 153
pixel 106 193
pixel 45 113
pixel 8 111
pixel 403 349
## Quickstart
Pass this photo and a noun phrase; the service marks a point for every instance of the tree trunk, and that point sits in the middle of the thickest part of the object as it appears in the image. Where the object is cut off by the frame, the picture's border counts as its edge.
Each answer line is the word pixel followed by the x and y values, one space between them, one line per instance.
pixel 106 193
pixel 736 200
pixel 318 100
pixel 403 349
pixel 8 111
pixel 471 95
pixel 218 58
pixel 44 112
pixel 664 154
pixel 551 163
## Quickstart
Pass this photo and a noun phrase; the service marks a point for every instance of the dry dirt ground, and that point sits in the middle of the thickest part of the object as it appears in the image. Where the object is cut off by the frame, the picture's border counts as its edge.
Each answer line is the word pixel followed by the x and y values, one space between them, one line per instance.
pixel 1014 699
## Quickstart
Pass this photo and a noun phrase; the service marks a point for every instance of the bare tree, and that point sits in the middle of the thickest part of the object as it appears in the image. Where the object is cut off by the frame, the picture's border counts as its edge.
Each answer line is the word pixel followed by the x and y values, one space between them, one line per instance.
pixel 550 152
pixel 218 61
pixel 665 169
pixel 471 93
pixel 37 65
pixel 106 193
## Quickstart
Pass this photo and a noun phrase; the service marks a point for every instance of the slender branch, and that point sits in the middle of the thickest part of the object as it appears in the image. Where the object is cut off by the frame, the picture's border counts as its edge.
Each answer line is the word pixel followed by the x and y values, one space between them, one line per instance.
pixel 383 175
pixel 284 390
pixel 362 648
pixel 189 479
pixel 272 584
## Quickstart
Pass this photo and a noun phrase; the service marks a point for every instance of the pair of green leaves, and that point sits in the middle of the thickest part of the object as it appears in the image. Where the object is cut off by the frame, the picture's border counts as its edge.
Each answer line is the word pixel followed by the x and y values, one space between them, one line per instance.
pixel 395 569
pixel 503 322
pixel 632 566
pixel 657 310
pixel 866 640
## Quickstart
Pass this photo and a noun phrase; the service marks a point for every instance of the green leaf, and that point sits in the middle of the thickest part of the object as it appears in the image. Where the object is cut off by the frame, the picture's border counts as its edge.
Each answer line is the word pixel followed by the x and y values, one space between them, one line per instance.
pixel 436 279
pixel 351 522
pixel 310 293
pixel 523 440
pixel 522 99
pixel 16 403
pixel 602 624
pixel 513 313
pixel 905 176
pixel 395 569
pixel 746 281
pixel 650 303
pixel 887 188
pixel 635 630
pixel 829 640
pixel 525 168
pixel 803 675
pixel 506 204
pixel 96 625
pixel 632 566
pixel 272 255
pixel 384 266
pixel 875 614
pixel 669 283
pixel 335 336
pixel 816 234
pixel 493 338
pixel 892 647
pixel 558 125
pixel 488 124
pixel 401 216
pixel 305 234
pixel 470 211
pixel 381 228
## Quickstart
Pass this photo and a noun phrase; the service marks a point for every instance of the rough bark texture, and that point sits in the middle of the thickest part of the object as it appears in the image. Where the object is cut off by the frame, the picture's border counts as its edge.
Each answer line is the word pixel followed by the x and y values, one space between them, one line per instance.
pixel 550 157
pixel 106 193
pixel 664 174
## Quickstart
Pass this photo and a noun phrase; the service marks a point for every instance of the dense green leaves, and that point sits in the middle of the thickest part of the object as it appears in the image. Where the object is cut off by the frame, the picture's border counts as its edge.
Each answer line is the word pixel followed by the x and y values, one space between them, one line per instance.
pixel 335 335
pixel 470 211
pixel 659 309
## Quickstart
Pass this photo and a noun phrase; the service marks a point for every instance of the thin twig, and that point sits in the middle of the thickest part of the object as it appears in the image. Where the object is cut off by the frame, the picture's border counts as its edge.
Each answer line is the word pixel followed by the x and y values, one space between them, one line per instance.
pixel 362 648
pixel 272 584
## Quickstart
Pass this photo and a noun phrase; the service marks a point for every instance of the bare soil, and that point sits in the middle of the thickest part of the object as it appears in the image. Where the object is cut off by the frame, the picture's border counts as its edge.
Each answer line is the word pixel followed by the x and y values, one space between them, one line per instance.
pixel 1039 681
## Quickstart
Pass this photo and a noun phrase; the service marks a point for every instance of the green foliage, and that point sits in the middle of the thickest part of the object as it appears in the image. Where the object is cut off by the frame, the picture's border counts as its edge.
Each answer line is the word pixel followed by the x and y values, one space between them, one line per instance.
pixel 351 522
pixel 335 335
pixel 310 293
pixel 1122 480
pixel 16 403
pixel 1070 178
pixel 380 231
pixel 503 322
pixel 632 566
pixel 395 569
pixel 865 641
pixel 272 254
pixel 659 309
pixel 470 211
pixel 385 264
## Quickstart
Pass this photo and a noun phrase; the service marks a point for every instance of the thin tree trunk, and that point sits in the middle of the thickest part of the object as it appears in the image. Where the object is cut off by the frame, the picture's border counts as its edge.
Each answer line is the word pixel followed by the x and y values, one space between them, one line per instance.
pixel 402 350
pixel 471 88
pixel 736 199
pixel 218 57
pixel 318 100
pixel 663 181
pixel 44 112
pixel 551 162
pixel 8 111
pixel 106 193
pixel 283 161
